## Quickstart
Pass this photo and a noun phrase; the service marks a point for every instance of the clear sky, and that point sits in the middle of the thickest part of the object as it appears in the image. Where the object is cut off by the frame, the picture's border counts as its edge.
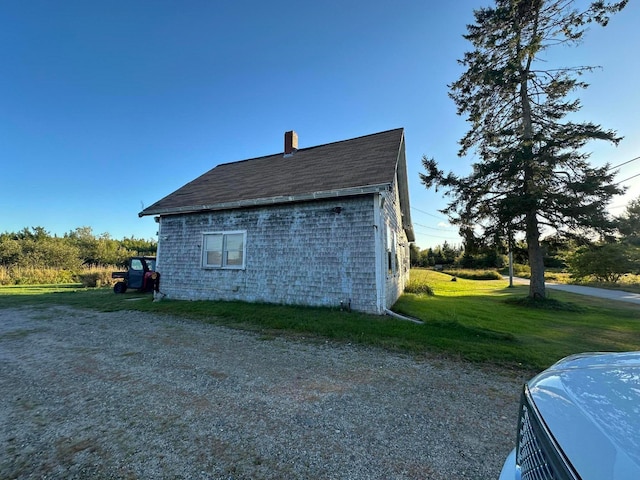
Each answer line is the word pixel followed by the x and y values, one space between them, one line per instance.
pixel 106 107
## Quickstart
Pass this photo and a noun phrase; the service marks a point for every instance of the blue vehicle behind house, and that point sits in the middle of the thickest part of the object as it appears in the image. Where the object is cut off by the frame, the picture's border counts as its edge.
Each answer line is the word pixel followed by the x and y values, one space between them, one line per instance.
pixel 140 275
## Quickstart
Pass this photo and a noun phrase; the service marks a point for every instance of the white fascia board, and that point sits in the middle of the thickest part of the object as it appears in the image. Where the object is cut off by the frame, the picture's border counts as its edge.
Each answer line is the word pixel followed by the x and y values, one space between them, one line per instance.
pixel 403 192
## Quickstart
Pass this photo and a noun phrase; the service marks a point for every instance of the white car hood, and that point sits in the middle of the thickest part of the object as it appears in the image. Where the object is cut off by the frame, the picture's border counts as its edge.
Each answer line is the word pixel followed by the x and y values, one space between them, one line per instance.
pixel 591 405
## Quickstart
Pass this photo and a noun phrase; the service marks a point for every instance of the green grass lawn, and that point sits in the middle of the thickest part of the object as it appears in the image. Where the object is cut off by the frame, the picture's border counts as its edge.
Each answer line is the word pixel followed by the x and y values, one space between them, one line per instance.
pixel 469 319
pixel 534 337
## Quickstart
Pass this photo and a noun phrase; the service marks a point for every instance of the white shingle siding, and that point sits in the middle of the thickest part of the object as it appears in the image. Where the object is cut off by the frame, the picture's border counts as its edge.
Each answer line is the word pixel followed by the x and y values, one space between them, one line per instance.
pixel 392 215
pixel 305 253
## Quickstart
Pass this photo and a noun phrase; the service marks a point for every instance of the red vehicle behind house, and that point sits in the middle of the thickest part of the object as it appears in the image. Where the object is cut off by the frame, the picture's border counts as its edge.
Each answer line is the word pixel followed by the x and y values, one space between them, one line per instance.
pixel 140 275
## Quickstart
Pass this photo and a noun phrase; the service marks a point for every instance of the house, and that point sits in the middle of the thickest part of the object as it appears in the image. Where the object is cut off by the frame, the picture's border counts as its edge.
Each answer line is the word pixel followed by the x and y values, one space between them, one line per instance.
pixel 326 226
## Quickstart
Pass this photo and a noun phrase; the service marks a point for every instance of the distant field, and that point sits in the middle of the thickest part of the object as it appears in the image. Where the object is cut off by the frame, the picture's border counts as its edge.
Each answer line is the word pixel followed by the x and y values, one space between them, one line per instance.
pixel 477 320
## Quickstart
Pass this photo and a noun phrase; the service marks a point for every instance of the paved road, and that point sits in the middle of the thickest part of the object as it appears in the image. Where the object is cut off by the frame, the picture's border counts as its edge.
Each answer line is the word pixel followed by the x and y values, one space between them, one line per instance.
pixel 597 292
pixel 590 291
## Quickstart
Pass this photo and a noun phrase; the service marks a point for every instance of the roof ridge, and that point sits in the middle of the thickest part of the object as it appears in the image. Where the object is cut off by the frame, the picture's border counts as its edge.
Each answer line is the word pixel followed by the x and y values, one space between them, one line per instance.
pixel 279 154
pixel 351 139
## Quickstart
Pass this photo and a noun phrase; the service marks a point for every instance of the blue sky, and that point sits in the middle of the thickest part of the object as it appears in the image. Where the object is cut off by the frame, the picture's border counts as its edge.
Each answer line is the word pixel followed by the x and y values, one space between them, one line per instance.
pixel 106 107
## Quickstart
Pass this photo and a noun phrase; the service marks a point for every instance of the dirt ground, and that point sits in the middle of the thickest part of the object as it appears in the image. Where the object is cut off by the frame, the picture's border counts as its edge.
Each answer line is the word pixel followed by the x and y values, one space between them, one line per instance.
pixel 86 394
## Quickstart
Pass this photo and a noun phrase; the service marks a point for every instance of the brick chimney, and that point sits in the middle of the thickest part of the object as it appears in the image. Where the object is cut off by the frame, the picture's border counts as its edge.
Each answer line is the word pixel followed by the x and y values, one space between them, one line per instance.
pixel 290 142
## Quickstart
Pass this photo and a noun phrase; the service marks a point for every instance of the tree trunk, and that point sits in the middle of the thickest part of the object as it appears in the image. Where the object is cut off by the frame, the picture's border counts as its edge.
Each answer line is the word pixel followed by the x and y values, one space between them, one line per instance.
pixel 536 258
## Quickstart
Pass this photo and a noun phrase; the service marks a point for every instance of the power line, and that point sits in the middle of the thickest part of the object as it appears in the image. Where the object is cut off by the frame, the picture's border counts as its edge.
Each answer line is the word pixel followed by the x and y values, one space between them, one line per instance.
pixel 437 236
pixel 627 179
pixel 432 228
pixel 427 213
pixel 624 163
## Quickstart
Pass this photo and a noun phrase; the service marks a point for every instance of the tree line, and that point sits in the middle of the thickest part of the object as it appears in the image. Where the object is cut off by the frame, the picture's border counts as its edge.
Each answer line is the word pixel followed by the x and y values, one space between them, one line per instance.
pixel 37 248
pixel 605 258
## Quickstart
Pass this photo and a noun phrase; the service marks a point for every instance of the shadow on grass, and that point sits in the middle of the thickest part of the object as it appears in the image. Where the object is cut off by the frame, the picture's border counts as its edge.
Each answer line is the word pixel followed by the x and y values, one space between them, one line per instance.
pixel 471 332
pixel 544 304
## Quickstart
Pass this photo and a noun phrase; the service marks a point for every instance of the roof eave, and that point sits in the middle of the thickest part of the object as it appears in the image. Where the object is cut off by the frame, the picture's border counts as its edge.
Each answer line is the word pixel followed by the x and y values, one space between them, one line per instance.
pixel 259 202
pixel 403 192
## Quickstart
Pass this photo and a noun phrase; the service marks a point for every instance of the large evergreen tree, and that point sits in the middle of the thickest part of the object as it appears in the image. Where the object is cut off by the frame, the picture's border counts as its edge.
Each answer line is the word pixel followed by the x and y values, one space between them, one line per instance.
pixel 532 173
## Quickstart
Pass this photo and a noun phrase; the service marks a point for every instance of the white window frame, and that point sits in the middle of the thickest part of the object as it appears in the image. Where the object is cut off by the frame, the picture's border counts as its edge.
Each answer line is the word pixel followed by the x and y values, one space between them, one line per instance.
pixel 392 256
pixel 224 252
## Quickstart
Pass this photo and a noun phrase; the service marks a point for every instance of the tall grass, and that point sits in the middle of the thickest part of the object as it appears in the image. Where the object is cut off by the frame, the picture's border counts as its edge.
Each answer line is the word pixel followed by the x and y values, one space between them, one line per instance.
pixel 519 270
pixel 87 276
pixel 473 274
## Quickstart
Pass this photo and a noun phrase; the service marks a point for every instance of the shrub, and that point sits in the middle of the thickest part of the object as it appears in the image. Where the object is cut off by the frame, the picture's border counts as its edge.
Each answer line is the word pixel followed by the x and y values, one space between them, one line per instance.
pixel 606 263
pixel 482 261
pixel 418 288
pixel 475 274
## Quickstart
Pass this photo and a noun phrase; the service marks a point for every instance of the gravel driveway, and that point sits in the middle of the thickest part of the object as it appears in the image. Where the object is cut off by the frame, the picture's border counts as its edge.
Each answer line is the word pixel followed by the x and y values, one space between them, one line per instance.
pixel 86 394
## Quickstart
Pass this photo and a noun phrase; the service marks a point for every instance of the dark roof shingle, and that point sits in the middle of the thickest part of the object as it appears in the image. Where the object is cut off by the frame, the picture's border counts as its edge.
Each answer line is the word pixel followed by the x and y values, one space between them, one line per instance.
pixel 360 162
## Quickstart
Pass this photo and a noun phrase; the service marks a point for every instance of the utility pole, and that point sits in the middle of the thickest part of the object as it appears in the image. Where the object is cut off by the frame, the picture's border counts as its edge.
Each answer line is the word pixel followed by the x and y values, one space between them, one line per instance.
pixel 510 259
pixel 510 268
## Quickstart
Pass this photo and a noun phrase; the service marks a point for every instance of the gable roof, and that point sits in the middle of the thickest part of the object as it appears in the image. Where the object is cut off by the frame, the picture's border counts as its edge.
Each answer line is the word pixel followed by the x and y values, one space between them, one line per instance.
pixel 350 167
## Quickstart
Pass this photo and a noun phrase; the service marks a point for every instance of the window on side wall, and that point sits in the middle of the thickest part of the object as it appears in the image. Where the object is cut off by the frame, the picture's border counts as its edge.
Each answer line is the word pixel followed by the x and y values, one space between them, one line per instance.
pixel 224 250
pixel 392 256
